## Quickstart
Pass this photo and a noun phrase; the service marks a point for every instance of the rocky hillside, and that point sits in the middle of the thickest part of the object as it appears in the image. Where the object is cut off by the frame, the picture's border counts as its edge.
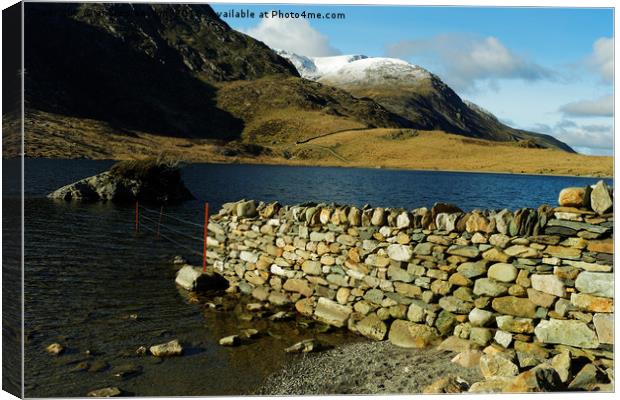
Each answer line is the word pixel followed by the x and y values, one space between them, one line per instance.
pixel 415 94
pixel 159 69
pixel 140 67
pixel 99 76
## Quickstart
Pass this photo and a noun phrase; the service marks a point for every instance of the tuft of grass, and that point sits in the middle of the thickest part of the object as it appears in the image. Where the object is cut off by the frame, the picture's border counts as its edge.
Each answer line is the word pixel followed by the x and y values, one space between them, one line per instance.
pixel 148 169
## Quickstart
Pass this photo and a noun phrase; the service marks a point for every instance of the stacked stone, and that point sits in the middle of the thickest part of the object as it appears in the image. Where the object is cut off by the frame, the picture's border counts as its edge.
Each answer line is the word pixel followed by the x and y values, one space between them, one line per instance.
pixel 533 288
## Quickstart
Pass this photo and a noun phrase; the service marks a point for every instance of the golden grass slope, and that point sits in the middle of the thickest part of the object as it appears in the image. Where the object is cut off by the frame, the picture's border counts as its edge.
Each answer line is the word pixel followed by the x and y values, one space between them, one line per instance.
pixel 50 135
pixel 435 150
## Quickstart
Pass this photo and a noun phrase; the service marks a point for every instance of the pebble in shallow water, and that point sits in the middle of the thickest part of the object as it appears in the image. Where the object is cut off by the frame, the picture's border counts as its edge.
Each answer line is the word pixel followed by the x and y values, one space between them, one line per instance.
pixel 105 392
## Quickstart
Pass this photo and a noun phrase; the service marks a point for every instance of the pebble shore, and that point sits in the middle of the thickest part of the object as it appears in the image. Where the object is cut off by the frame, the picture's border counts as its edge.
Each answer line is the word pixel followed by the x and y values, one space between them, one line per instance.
pixel 365 368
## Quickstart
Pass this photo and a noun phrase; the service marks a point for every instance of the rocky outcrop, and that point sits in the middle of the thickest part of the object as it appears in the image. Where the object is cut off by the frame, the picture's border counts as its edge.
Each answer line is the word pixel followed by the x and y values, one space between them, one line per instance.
pixel 128 181
pixel 523 286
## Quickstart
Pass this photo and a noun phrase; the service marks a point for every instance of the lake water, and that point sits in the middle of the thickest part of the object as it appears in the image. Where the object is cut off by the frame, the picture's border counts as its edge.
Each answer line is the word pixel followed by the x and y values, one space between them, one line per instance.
pixel 87 271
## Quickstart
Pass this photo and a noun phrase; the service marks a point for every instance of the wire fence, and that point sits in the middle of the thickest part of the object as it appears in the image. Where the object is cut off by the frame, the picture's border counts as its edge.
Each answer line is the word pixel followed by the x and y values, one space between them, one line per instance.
pixel 171 228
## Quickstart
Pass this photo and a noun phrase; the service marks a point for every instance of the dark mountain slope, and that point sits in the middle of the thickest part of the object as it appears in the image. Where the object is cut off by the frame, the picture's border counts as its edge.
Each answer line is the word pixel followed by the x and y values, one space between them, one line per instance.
pixel 528 139
pixel 159 68
pixel 135 66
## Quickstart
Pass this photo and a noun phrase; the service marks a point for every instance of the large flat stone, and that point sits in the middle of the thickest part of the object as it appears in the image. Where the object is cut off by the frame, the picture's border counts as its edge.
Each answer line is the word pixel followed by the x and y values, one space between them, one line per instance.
pixel 604 324
pixel 600 198
pixel 586 302
pixel 298 285
pixel 563 252
pixel 332 313
pixel 472 269
pixel 567 332
pixel 516 306
pixel 464 251
pixel 193 279
pixel 502 272
pixel 489 287
pixel 411 335
pixel 478 317
pixel 400 252
pixel 578 226
pixel 492 365
pixel 601 246
pixel 591 267
pixel 550 284
pixel 455 305
pixel 372 327
pixel 596 283
pixel 515 325
pixel 522 251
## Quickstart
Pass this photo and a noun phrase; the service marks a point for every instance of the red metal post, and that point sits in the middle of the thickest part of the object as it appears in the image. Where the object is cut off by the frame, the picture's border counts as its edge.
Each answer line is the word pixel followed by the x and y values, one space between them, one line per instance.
pixel 137 218
pixel 204 247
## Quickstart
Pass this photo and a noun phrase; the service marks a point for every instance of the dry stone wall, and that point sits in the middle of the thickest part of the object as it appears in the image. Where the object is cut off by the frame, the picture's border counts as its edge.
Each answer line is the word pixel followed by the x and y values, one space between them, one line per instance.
pixel 531 280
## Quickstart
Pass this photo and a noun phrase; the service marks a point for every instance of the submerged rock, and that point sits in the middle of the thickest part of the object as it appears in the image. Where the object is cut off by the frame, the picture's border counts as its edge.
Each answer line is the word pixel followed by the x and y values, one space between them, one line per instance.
pixel 306 346
pixel 179 260
pixel 232 340
pixel 126 370
pixel 105 392
pixel 55 349
pixel 172 348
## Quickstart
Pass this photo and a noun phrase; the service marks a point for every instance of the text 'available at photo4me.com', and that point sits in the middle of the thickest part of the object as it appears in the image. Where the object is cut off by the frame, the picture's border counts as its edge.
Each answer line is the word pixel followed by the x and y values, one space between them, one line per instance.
pixel 280 14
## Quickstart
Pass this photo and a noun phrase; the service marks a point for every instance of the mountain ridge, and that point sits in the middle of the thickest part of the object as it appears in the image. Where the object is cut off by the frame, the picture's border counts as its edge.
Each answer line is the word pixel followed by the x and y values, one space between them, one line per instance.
pixel 416 94
pixel 103 76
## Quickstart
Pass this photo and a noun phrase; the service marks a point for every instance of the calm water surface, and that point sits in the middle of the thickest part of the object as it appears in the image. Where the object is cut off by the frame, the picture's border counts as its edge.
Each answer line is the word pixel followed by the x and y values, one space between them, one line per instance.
pixel 86 271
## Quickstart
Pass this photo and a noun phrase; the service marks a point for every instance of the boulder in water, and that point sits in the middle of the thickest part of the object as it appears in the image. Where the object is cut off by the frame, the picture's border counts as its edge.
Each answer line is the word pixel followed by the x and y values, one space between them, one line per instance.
pixel 150 180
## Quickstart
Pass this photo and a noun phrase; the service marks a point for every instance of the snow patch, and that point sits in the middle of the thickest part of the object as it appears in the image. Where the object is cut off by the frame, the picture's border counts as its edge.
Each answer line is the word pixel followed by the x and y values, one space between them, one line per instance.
pixel 376 70
pixel 355 69
pixel 305 65
pixel 327 65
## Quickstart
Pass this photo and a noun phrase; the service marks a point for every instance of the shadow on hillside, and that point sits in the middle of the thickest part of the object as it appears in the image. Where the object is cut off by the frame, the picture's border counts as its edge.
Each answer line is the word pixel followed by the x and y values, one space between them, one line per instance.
pixel 81 71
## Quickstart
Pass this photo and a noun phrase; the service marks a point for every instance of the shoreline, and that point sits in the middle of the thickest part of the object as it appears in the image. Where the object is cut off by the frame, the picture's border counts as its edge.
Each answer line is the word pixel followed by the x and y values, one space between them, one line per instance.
pixel 367 367
pixel 309 165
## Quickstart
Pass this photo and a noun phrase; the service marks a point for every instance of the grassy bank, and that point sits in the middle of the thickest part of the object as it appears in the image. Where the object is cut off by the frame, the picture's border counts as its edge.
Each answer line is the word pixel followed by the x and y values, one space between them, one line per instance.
pixel 61 137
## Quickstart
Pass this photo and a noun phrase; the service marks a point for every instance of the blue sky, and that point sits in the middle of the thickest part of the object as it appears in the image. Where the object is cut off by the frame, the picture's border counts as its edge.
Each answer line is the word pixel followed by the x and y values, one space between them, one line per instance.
pixel 543 69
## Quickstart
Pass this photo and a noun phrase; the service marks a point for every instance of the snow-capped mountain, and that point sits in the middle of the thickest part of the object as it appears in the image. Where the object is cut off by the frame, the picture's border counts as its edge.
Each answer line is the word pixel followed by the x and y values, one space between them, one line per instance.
pixel 412 92
pixel 376 70
pixel 305 65
pixel 328 65
pixel 355 69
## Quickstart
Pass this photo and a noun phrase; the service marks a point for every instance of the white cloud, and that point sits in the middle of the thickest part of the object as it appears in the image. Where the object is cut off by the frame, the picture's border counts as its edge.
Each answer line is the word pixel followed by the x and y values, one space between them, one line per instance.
pixel 601 107
pixel 294 35
pixel 601 61
pixel 596 139
pixel 466 60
